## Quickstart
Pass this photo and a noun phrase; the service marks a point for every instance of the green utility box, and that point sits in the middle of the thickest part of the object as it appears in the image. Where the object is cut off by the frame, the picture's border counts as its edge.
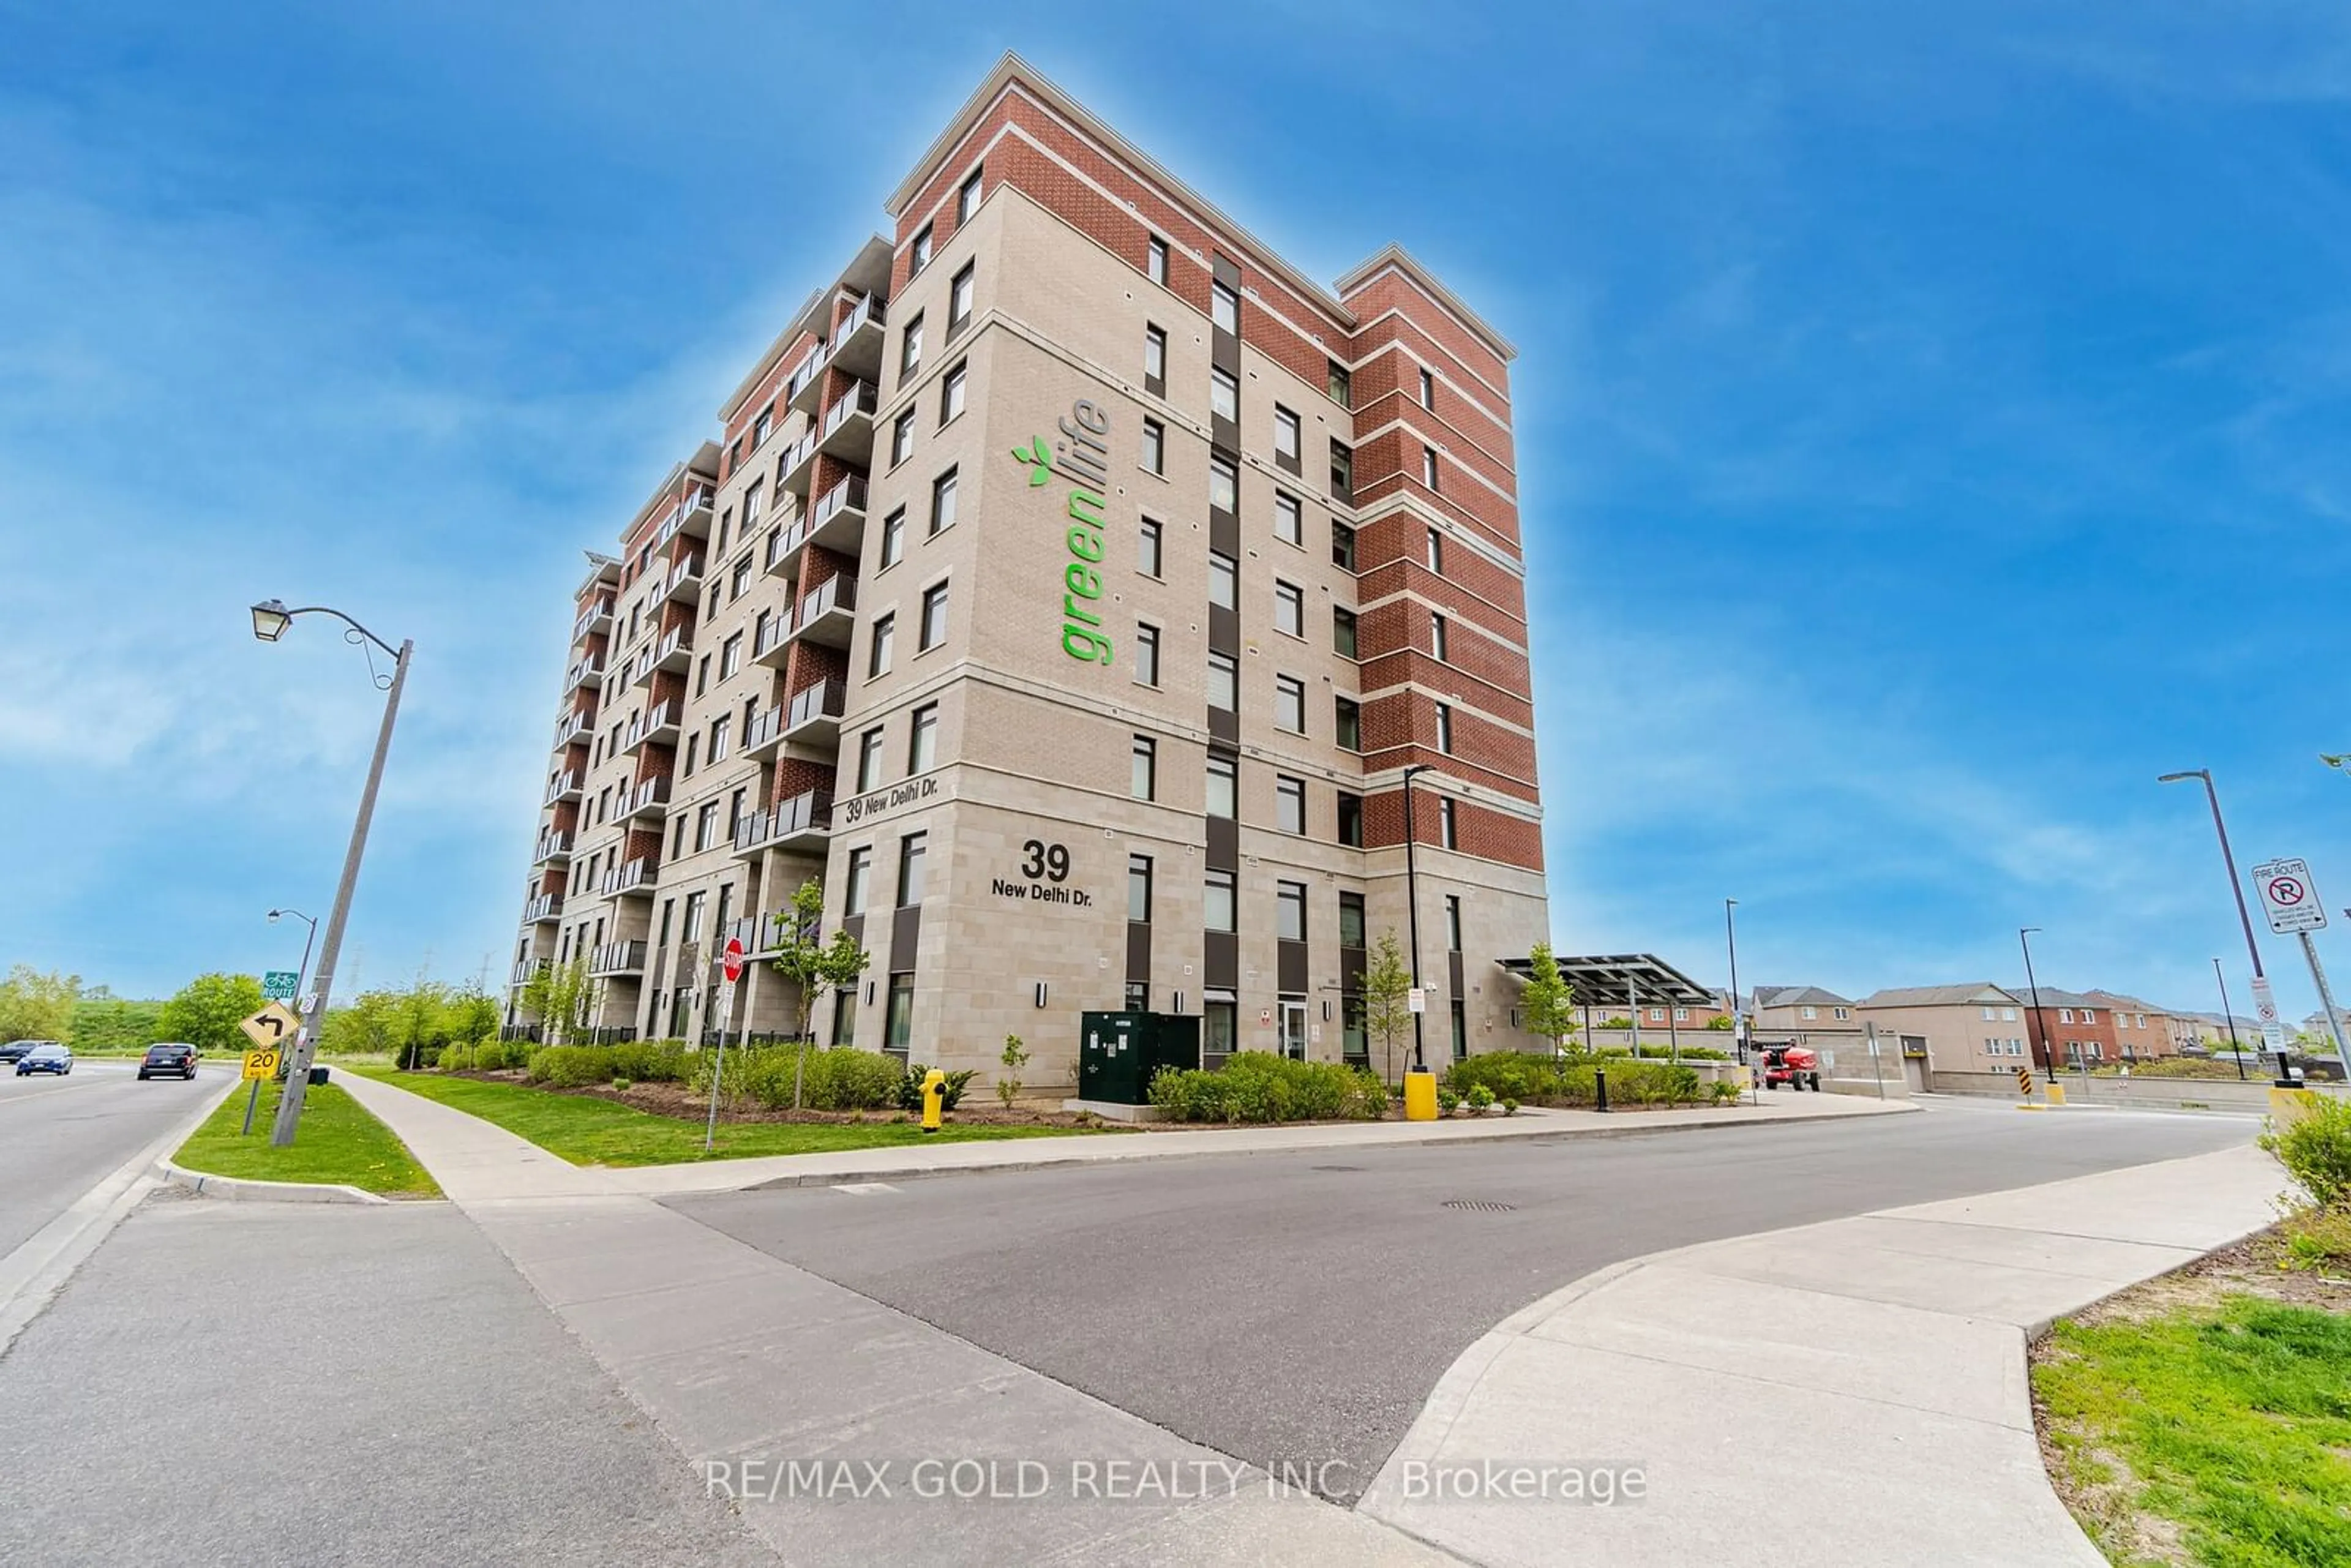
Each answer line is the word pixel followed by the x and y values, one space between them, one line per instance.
pixel 1118 1052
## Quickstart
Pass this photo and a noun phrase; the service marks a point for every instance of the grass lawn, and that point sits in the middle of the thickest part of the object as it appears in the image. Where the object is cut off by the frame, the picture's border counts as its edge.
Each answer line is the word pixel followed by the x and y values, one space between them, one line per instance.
pixel 337 1141
pixel 589 1131
pixel 2224 1423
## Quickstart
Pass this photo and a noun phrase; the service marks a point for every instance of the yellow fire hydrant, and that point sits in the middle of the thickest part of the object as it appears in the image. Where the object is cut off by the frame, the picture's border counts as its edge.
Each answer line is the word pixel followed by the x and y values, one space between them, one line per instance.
pixel 934 1093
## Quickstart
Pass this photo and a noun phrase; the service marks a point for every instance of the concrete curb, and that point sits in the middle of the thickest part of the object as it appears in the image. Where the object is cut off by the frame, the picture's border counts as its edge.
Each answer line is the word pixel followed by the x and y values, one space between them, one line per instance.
pixel 244 1189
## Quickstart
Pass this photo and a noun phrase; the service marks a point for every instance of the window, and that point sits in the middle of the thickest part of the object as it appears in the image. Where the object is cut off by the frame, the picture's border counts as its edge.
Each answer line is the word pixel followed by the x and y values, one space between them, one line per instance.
pixel 943 503
pixel 899 1028
pixel 2065 1015
pixel 1428 467
pixel 730 655
pixel 1348 730
pixel 1343 632
pixel 935 616
pixel 901 438
pixel 1289 608
pixel 1225 395
pixel 1225 309
pixel 2089 1015
pixel 1289 910
pixel 910 349
pixel 742 580
pixel 918 254
pixel 1290 703
pixel 868 761
pixel 1448 828
pixel 1460 1030
pixel 705 833
pixel 967 199
pixel 1436 552
pixel 1342 546
pixel 2007 1015
pixel 1810 1013
pixel 676 840
pixel 1343 471
pixel 1289 805
pixel 1436 630
pixel 1285 438
pixel 1223 581
pixel 1154 261
pixel 751 499
pixel 759 428
pixel 1151 547
pixel 1341 386
pixel 702 675
pixel 959 295
pixel 1681 1015
pixel 878 662
pixel 1351 819
pixel 719 729
pixel 861 875
pixel 1987 1015
pixel 1147 655
pixel 1223 786
pixel 1223 683
pixel 1427 390
pixel 951 394
pixel 910 869
pixel 893 538
pixel 1453 938
pixel 1224 486
pixel 1154 446
pixel 1144 781
pixel 1154 361
pixel 844 1017
pixel 1444 727
pixel 1138 887
pixel 692 929
pixel 923 745
pixel 1217 912
pixel 1289 523
pixel 1841 1014
pixel 1351 920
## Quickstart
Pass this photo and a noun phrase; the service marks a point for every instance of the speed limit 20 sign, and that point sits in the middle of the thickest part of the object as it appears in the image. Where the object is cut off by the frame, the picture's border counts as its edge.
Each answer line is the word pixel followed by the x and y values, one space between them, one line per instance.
pixel 2287 897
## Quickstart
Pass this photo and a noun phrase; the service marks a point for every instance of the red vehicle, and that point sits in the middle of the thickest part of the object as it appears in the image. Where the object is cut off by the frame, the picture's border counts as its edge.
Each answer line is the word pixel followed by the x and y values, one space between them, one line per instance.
pixel 1793 1065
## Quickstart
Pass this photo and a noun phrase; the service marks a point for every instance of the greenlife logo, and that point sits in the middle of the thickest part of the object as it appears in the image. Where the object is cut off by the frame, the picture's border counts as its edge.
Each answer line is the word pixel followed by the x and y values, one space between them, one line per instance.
pixel 1081 459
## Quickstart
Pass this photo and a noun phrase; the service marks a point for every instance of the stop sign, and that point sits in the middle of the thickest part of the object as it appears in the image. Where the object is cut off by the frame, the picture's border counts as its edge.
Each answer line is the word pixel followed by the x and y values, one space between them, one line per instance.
pixel 733 966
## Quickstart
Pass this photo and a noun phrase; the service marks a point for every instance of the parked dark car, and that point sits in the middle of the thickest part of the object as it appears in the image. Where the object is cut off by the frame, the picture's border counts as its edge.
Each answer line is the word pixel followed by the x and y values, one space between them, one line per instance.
pixel 169 1058
pixel 17 1049
pixel 47 1057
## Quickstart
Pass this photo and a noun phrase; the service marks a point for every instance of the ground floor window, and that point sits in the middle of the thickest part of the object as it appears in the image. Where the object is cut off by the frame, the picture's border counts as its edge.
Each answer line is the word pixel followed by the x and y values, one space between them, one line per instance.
pixel 1354 1040
pixel 677 1012
pixel 1138 995
pixel 844 1017
pixel 1460 1030
pixel 900 1036
pixel 1219 1023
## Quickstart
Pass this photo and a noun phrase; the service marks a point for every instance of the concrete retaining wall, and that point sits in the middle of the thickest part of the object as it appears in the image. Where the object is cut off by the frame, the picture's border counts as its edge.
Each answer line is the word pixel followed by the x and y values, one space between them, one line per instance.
pixel 2160 1093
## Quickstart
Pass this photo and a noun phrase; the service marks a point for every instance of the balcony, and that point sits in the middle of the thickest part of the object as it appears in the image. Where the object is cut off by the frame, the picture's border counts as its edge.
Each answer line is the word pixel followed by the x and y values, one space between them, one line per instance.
pixel 564 785
pixel 674 652
pixel 691 517
pixel 554 844
pixel 798 460
pixel 683 581
pixel 829 614
pixel 525 971
pixel 772 641
pixel 547 908
pixel 618 958
pixel 814 717
pixel 583 670
pixel 849 423
pixel 855 346
pixel 634 879
pixel 656 727
pixel 765 734
pixel 597 617
pixel 802 822
pixel 784 546
pixel 572 727
pixel 751 834
pixel 651 798
pixel 837 520
pixel 805 384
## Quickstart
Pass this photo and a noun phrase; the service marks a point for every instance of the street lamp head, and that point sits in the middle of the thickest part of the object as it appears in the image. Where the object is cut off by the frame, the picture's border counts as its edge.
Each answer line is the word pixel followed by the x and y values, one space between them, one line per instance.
pixel 274 915
pixel 2336 759
pixel 2183 777
pixel 270 619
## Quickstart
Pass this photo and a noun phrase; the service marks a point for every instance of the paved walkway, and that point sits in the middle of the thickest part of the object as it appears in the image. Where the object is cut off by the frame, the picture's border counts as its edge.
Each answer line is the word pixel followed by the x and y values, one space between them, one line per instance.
pixel 1852 1391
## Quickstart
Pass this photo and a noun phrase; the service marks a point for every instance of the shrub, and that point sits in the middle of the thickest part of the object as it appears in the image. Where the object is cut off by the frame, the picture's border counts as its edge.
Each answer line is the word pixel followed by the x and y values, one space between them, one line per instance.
pixel 1509 1107
pixel 910 1088
pixel 1506 1074
pixel 1539 1080
pixel 1727 1090
pixel 1258 1086
pixel 1480 1098
pixel 567 1066
pixel 2316 1149
pixel 834 1078
pixel 1448 1102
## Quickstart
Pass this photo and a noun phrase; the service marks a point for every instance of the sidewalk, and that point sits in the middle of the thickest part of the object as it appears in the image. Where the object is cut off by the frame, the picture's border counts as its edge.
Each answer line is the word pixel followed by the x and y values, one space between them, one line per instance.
pixel 484 1156
pixel 1852 1391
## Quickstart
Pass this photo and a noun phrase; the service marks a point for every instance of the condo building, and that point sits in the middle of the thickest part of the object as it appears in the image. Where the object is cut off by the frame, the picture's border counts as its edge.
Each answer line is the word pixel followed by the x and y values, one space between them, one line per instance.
pixel 1072 590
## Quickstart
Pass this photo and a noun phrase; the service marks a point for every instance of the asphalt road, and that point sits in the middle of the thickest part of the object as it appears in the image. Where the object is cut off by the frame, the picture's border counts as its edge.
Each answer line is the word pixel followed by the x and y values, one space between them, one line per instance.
pixel 263 1384
pixel 61 1136
pixel 1300 1308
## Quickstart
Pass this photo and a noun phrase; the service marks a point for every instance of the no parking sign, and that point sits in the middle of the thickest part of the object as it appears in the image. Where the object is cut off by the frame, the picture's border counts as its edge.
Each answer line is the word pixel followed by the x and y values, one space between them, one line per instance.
pixel 2288 898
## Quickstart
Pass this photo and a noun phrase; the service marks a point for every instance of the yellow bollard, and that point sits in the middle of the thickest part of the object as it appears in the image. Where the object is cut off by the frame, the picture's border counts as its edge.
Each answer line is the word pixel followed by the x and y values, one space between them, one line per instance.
pixel 2056 1094
pixel 934 1093
pixel 1420 1095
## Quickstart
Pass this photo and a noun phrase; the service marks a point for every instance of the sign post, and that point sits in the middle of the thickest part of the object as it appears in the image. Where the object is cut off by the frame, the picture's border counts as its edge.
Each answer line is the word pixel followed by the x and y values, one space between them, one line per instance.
pixel 274 1032
pixel 2292 903
pixel 1876 1066
pixel 731 967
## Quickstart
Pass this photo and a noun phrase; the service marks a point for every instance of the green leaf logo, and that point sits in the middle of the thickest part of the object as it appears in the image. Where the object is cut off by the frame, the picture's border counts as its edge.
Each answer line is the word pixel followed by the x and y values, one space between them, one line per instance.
pixel 1040 458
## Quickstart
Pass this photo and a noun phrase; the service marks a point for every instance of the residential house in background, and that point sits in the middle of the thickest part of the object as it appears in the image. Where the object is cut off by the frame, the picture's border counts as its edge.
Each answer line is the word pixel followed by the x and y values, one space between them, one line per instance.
pixel 1808 1015
pixel 1975 1027
pixel 2081 1026
pixel 2142 1029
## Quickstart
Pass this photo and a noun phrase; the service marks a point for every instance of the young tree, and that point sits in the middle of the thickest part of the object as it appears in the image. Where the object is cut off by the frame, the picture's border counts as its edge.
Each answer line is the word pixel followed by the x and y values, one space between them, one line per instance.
pixel 1387 993
pixel 1015 1057
pixel 1547 1007
pixel 418 1019
pixel 560 993
pixel 38 1005
pixel 473 1017
pixel 811 965
pixel 208 1009
pixel 105 1023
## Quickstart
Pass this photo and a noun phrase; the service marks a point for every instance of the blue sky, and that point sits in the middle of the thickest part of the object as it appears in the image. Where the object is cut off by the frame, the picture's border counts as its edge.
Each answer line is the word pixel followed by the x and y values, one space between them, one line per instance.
pixel 1931 428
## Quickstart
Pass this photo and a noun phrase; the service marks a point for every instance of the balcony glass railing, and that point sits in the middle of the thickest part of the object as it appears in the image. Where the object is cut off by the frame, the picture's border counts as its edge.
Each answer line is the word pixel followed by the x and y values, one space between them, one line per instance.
pixel 837 592
pixel 765 729
pixel 808 814
pixel 849 495
pixel 562 785
pixel 858 399
pixel 823 701
pixel 600 611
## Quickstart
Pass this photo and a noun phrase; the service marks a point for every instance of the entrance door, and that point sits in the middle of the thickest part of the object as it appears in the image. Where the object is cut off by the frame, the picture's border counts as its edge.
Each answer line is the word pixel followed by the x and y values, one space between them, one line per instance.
pixel 1293 1028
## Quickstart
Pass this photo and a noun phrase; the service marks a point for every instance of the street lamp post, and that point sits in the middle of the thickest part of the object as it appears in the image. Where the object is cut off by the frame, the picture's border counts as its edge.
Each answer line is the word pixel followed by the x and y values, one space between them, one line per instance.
pixel 270 621
pixel 2231 1019
pixel 312 922
pixel 2236 888
pixel 2040 1021
pixel 1412 912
